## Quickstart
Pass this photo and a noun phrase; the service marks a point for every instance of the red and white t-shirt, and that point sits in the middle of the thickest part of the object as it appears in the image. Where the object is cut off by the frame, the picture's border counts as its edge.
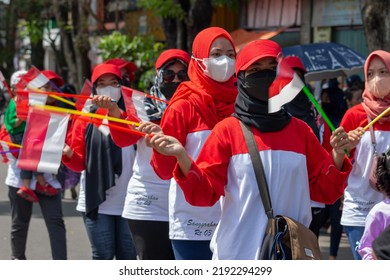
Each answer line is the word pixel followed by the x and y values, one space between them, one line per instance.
pixel 186 222
pixel 297 169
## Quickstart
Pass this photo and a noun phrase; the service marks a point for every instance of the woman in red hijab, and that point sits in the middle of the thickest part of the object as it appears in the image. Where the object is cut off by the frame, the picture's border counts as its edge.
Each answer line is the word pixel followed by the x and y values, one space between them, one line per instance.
pixel 359 197
pixel 296 166
pixel 195 108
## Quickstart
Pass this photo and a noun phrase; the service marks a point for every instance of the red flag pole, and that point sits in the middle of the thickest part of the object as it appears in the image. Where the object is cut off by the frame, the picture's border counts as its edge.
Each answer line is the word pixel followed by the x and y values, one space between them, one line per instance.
pixel 79 96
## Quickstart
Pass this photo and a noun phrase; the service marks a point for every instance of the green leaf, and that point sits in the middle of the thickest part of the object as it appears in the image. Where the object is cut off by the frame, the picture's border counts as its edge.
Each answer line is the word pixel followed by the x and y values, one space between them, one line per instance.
pixel 142 50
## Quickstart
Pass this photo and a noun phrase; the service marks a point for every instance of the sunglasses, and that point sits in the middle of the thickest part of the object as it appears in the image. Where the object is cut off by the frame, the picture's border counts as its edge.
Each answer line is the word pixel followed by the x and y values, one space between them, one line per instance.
pixel 169 75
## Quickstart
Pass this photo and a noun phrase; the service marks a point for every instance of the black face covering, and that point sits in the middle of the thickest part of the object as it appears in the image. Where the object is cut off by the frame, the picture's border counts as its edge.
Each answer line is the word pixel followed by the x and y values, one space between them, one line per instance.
pixel 168 89
pixel 256 85
pixel 253 111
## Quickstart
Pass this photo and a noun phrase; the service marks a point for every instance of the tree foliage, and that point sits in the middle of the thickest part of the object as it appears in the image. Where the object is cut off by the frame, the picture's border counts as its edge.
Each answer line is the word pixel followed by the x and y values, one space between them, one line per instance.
pixel 142 50
pixel 183 19
pixel 164 9
pixel 376 22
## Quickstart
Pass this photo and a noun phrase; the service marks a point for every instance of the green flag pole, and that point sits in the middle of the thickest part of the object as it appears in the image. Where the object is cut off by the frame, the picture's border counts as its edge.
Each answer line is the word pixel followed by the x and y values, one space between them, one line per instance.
pixel 320 110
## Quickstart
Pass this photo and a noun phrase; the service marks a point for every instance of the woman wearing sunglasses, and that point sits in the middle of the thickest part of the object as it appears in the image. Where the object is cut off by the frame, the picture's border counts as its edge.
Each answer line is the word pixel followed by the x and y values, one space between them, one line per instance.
pixel 171 68
pixel 146 203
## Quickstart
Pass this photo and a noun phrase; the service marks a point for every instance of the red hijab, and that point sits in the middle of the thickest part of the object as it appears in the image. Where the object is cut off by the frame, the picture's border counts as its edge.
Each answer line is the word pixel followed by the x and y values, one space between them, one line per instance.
pixel 215 100
pixel 371 104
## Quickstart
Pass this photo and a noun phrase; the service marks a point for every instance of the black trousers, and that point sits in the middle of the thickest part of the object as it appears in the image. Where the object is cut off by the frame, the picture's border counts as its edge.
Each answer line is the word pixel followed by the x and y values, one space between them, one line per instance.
pixel 151 240
pixel 21 211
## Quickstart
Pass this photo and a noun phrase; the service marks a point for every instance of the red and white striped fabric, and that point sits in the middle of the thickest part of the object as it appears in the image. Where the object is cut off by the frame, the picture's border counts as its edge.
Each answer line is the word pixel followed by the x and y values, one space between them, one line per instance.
pixel 30 81
pixel 286 86
pixel 6 157
pixel 27 98
pixel 82 104
pixel 43 141
pixel 134 102
pixel 33 79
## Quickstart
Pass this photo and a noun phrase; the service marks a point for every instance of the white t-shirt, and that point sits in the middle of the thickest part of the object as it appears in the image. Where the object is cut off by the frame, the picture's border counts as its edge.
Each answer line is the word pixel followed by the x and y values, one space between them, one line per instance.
pixel 147 194
pixel 189 222
pixel 115 196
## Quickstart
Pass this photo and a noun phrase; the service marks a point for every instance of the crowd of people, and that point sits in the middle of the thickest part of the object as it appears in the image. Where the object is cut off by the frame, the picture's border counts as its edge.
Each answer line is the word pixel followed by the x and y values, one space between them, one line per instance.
pixel 181 186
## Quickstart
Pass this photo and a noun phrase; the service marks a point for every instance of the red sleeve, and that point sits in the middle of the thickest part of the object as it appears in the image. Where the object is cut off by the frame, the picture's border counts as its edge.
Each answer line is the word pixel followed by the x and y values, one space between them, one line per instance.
pixel 76 140
pixel 122 138
pixel 174 123
pixel 206 181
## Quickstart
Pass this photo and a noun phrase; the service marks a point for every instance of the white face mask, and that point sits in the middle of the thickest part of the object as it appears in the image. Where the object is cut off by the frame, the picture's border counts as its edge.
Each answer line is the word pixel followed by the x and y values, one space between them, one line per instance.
pixel 379 86
pixel 113 92
pixel 219 69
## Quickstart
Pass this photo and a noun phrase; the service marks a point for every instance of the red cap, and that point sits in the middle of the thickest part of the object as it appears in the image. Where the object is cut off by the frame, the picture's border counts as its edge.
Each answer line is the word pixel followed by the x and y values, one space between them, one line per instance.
pixel 53 77
pixel 171 54
pixel 295 62
pixel 121 63
pixel 254 51
pixel 105 68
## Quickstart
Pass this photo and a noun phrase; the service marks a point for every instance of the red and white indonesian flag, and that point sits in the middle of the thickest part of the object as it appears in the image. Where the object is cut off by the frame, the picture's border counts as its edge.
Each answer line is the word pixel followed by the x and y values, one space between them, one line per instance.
pixel 6 157
pixel 286 86
pixel 84 104
pixel 27 98
pixel 135 103
pixel 31 81
pixel 43 141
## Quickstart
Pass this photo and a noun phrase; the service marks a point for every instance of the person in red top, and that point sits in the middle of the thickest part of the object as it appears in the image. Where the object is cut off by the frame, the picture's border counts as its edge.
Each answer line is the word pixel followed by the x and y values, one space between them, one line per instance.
pixel 50 205
pixel 296 166
pixel 128 70
pixel 12 122
pixel 106 170
pixel 195 108
pixel 146 204
pixel 301 108
pixel 360 195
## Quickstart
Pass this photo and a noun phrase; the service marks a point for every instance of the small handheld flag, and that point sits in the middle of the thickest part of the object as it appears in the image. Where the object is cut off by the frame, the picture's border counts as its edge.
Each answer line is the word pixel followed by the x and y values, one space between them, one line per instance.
pixel 285 87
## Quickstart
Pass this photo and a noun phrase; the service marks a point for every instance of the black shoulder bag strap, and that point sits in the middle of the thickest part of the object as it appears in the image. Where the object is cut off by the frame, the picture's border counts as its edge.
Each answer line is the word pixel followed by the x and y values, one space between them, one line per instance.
pixel 259 172
pixel 266 252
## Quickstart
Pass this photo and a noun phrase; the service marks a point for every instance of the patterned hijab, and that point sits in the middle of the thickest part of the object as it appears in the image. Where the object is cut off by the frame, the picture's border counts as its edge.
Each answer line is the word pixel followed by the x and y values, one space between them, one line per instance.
pixel 371 104
pixel 155 107
pixel 214 99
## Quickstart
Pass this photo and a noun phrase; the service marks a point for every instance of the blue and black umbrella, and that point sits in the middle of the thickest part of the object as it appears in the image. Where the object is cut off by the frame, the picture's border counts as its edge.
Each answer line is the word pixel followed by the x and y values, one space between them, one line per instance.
pixel 327 60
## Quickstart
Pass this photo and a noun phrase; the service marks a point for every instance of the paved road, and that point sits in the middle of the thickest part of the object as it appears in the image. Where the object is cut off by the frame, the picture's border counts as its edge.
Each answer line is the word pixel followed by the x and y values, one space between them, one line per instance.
pixel 78 245
pixel 38 247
